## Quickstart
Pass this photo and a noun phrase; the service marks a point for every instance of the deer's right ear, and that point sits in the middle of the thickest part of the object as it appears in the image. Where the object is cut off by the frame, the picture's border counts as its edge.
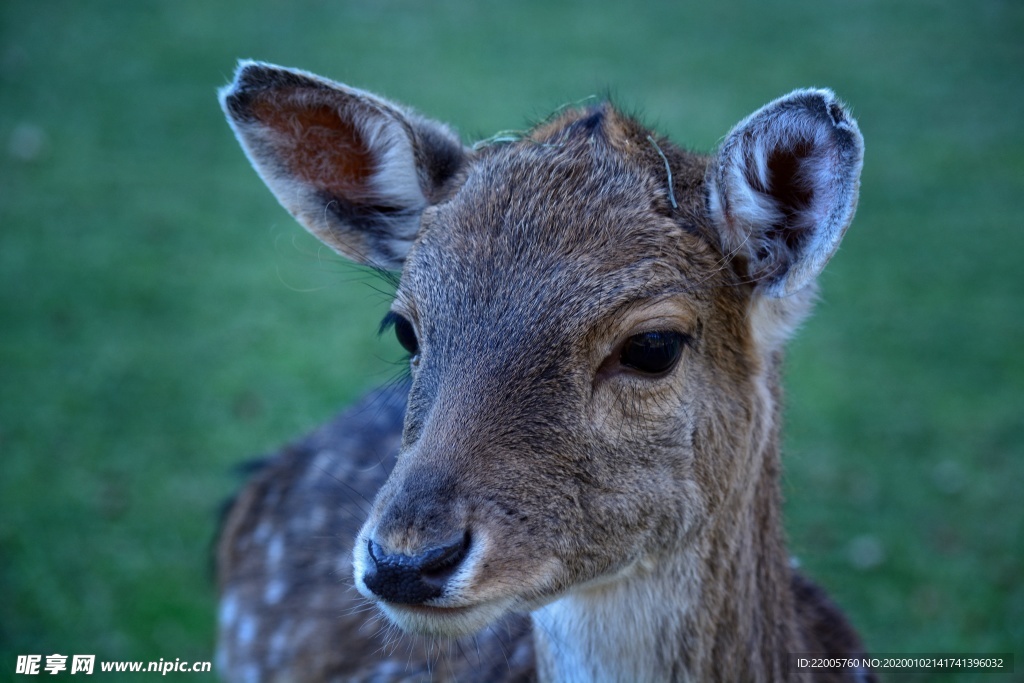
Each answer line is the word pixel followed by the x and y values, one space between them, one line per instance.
pixel 355 170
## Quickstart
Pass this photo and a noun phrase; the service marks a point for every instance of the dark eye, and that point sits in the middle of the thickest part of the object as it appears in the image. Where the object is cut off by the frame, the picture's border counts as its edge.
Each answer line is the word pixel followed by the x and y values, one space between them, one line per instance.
pixel 404 332
pixel 653 353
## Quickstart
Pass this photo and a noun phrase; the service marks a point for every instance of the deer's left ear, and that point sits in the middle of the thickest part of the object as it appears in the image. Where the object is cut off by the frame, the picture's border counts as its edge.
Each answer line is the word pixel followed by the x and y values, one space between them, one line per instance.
pixel 783 189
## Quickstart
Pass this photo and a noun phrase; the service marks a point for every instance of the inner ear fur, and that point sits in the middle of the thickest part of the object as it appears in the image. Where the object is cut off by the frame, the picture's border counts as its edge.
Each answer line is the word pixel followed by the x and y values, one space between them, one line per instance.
pixel 783 188
pixel 355 170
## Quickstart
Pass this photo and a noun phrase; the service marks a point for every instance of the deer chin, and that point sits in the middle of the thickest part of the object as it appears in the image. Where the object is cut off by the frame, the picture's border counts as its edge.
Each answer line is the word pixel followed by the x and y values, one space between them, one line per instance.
pixel 474 605
pixel 461 614
pixel 446 621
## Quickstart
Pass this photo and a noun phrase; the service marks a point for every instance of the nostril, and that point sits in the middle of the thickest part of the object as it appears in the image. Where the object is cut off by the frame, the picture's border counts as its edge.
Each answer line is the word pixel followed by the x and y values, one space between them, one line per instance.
pixel 377 554
pixel 413 579
pixel 440 563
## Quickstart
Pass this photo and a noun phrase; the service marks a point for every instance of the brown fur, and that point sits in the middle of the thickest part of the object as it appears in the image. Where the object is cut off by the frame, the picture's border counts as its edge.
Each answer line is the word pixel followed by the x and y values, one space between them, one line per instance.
pixel 635 517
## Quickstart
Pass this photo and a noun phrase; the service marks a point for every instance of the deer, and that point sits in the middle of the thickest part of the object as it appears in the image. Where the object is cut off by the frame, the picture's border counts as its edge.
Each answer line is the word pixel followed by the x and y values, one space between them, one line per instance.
pixel 578 477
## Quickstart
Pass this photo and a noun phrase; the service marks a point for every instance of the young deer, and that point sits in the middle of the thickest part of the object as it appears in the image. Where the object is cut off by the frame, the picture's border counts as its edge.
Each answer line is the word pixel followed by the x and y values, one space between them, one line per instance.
pixel 583 470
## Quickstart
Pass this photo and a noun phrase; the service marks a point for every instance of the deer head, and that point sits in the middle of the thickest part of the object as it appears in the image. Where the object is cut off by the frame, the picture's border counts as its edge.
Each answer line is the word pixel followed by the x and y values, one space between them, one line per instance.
pixel 593 318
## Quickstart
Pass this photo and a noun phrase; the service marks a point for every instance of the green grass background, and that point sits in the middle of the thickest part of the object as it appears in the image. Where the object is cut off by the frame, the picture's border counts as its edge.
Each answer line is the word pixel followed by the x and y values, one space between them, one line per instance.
pixel 162 319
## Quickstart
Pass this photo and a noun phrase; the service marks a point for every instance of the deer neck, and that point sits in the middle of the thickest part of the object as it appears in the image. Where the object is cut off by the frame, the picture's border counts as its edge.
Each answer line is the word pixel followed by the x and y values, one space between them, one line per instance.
pixel 719 609
pixel 625 630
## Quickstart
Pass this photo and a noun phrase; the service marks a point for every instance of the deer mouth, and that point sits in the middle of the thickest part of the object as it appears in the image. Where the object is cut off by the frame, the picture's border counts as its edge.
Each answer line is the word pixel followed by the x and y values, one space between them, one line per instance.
pixel 445 621
pixel 434 612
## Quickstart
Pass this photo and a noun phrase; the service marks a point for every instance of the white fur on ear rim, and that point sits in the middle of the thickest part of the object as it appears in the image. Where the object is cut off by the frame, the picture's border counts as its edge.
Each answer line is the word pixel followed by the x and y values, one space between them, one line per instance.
pixel 783 188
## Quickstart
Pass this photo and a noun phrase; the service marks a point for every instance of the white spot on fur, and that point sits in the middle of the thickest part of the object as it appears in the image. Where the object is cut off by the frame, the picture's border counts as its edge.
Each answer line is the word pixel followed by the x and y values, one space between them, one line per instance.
pixel 221 660
pixel 275 550
pixel 246 632
pixel 262 533
pixel 321 463
pixel 278 646
pixel 251 674
pixel 274 591
pixel 227 612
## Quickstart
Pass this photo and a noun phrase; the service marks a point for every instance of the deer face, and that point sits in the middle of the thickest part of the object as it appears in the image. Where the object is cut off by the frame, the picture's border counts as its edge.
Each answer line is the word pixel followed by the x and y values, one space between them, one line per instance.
pixel 587 311
pixel 557 360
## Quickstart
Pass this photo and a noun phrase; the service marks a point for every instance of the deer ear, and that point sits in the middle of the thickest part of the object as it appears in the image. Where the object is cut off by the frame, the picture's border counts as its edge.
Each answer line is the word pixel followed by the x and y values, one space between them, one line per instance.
pixel 783 188
pixel 355 170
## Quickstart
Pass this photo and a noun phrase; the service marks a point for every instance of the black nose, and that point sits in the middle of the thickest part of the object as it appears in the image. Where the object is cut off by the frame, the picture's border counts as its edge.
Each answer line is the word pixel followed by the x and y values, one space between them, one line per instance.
pixel 413 579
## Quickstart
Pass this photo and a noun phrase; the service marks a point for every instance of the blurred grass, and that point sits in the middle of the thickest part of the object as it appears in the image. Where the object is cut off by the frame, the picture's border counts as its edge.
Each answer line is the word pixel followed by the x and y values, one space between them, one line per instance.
pixel 162 319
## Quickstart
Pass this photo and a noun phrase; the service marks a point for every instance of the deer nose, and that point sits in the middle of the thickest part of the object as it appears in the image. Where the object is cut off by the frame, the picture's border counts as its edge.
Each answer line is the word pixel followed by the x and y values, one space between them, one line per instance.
pixel 413 579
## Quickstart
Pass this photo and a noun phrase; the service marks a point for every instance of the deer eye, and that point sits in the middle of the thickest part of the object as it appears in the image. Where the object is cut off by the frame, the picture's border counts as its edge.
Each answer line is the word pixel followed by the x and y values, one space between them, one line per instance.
pixel 653 353
pixel 404 331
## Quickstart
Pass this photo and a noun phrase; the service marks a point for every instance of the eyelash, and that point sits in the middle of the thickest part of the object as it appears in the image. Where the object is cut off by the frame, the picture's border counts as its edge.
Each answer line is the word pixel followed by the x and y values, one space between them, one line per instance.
pixel 404 332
